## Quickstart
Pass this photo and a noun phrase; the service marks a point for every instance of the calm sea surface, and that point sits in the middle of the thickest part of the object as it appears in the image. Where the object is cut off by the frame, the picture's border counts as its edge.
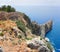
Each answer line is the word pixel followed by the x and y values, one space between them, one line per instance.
pixel 42 14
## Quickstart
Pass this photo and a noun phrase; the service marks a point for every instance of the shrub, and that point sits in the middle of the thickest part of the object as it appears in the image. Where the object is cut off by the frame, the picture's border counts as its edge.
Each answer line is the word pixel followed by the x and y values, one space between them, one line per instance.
pixel 19 36
pixel 3 8
pixel 19 41
pixel 41 38
pixel 29 38
pixel 49 46
pixel 29 24
pixel 1 34
pixel 14 43
pixel 7 8
pixel 20 25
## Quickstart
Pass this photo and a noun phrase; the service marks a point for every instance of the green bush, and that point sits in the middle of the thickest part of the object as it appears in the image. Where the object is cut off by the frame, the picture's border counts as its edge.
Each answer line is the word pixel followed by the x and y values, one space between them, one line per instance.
pixel 3 8
pixel 1 34
pixel 7 8
pixel 29 38
pixel 49 46
pixel 21 26
pixel 14 43
pixel 19 36
pixel 41 38
pixel 19 41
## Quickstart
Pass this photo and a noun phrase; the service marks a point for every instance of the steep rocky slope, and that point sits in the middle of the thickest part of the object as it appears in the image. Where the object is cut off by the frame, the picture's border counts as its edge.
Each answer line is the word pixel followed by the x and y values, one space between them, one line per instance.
pixel 15 16
pixel 19 34
pixel 35 28
pixel 41 29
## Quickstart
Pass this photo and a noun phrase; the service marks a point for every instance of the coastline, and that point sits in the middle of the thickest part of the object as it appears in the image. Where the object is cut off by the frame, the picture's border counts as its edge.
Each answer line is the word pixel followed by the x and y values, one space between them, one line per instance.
pixel 47 39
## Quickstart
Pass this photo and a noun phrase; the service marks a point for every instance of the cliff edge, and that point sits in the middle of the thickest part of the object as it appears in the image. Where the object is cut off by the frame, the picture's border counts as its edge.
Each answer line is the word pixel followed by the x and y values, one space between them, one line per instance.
pixel 37 29
pixel 19 34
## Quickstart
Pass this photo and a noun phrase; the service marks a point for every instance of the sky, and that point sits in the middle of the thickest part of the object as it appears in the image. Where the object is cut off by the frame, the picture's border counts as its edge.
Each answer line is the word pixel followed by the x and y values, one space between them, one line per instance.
pixel 30 2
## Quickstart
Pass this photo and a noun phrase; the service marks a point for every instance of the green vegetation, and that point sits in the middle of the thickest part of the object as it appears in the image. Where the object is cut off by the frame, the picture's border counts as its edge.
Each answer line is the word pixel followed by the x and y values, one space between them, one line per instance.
pixel 1 34
pixel 29 38
pixel 41 38
pixel 14 43
pixel 28 21
pixel 49 46
pixel 19 41
pixel 7 8
pixel 27 18
pixel 21 26
pixel 19 36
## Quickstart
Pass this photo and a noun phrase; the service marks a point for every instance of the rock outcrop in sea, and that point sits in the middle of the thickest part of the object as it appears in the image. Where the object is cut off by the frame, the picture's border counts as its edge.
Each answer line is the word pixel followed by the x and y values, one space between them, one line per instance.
pixel 41 29
pixel 19 34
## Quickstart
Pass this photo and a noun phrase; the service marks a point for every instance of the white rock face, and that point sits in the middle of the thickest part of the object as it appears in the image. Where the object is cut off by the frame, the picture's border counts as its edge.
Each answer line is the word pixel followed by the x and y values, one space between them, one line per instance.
pixel 46 28
pixel 47 39
pixel 43 30
pixel 36 43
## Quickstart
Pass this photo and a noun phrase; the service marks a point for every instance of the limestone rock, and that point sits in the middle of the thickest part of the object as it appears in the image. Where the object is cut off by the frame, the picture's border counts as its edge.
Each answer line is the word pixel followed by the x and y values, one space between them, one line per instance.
pixel 42 29
pixel 35 43
pixel 35 28
pixel 43 49
pixel 1 49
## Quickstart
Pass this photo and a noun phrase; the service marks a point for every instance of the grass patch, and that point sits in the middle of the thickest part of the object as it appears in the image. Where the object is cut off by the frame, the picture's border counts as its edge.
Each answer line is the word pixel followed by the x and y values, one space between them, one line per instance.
pixel 49 46
pixel 19 41
pixel 19 36
pixel 29 38
pixel 1 34
pixel 20 25
pixel 41 38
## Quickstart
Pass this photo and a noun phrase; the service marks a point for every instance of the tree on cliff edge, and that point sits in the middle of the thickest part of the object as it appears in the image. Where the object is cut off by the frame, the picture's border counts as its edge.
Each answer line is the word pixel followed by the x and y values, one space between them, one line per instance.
pixel 7 8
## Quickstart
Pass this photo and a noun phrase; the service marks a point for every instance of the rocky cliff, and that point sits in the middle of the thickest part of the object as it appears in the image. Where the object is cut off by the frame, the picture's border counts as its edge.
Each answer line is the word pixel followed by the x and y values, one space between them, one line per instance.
pixel 37 29
pixel 15 16
pixel 41 29
pixel 19 34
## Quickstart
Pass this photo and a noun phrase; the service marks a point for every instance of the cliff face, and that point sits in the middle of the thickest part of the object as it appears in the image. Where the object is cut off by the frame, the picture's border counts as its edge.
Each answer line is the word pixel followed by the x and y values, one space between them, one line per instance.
pixel 15 16
pixel 42 29
pixel 19 34
pixel 45 28
pixel 37 29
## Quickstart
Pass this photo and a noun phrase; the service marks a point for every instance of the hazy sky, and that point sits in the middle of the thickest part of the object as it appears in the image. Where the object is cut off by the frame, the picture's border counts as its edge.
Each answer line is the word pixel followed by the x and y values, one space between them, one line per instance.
pixel 30 2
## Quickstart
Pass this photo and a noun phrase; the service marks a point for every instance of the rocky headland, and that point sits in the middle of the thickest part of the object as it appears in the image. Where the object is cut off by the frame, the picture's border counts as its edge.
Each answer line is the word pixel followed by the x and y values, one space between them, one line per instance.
pixel 19 34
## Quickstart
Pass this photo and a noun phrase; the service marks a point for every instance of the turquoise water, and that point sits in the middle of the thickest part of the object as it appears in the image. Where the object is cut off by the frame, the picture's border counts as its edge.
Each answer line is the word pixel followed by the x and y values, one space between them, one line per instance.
pixel 42 14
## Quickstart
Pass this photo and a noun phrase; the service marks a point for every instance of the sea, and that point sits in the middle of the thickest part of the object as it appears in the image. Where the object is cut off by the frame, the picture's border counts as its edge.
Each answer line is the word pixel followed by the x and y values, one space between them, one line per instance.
pixel 42 14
